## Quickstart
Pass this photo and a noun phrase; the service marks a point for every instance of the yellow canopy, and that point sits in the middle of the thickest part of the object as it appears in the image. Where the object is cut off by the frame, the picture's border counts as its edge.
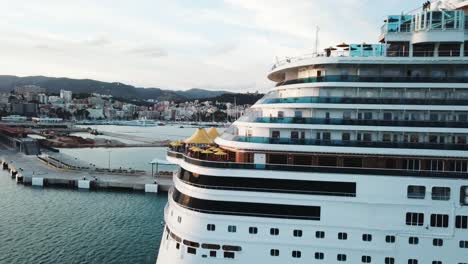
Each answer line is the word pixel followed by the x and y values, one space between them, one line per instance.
pixel 199 137
pixel 197 150
pixel 207 152
pixel 213 133
pixel 220 153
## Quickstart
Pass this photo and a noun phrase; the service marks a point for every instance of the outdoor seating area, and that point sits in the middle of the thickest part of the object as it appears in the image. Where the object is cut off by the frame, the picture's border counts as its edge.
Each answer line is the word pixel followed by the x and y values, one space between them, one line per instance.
pixel 201 146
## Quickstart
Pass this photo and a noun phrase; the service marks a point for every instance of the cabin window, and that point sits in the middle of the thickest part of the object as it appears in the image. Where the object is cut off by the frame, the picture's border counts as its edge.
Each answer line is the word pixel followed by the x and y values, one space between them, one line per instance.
pixel 413 240
pixel 341 257
pixel 416 192
pixel 390 239
pixel 297 233
pixel 463 244
pixel 294 135
pixel 342 236
pixel 461 222
pixel 441 193
pixel 414 219
pixel 439 220
pixel 253 230
pixel 346 137
pixel 274 231
pixel 296 254
pixel 320 234
pixel 319 255
pixel 367 237
pixel 437 242
pixel 275 134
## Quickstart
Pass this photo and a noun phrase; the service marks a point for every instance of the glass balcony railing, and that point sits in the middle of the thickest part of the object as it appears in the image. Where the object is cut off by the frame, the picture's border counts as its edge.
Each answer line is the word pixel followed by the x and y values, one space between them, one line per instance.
pixel 345 143
pixel 363 100
pixel 396 79
pixel 319 169
pixel 355 122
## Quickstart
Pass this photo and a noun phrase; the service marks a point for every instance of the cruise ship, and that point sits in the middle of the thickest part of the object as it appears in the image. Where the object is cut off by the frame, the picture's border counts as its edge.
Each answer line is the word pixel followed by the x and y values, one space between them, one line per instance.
pixel 357 155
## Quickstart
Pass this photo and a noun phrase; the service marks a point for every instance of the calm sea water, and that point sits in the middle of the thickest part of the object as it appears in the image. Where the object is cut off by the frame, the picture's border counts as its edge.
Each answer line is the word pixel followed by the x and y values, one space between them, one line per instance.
pixel 69 226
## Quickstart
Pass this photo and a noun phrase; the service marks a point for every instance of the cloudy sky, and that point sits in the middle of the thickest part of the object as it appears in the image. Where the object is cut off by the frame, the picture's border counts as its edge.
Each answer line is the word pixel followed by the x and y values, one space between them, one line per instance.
pixel 178 44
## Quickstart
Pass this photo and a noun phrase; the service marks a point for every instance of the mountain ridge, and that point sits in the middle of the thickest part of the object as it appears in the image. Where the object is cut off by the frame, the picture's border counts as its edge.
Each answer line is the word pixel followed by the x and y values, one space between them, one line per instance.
pixel 53 85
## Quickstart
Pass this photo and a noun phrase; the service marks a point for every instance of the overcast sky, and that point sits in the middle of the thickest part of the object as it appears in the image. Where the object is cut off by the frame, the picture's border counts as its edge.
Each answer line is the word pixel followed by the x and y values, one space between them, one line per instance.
pixel 178 44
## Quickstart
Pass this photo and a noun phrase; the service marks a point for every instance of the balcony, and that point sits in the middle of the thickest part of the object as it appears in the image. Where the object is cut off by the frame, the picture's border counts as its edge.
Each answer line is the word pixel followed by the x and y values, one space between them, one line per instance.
pixel 355 122
pixel 384 79
pixel 345 143
pixel 363 100
pixel 316 169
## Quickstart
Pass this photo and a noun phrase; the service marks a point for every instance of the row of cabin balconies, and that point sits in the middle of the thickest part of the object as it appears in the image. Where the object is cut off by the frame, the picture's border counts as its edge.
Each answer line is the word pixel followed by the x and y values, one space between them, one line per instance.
pixel 365 100
pixel 371 92
pixel 329 116
pixel 361 138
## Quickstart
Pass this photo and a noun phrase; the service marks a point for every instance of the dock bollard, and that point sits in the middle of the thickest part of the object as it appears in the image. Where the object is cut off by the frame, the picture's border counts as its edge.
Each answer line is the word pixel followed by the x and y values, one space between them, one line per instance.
pixel 19 178
pixel 151 188
pixel 37 181
pixel 84 184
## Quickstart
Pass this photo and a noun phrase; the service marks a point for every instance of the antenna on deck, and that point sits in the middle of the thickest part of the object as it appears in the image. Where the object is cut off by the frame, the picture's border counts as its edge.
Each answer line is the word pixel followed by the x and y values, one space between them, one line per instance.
pixel 317 29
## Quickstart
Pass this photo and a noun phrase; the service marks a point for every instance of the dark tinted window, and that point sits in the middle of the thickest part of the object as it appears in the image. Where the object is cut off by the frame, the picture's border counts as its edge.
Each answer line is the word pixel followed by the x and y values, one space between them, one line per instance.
pixel 296 254
pixel 416 192
pixel 461 221
pixel 319 255
pixel 341 257
pixel 320 234
pixel 439 220
pixel 437 242
pixel 441 193
pixel 274 231
pixel 390 239
pixel 413 240
pixel 274 252
pixel 247 209
pixel 342 236
pixel 297 233
pixel 191 250
pixel 414 219
pixel 253 230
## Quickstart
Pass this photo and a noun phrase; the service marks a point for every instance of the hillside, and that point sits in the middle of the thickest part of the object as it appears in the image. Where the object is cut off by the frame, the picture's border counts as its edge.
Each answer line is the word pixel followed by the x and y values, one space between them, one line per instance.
pixel 87 86
pixel 239 99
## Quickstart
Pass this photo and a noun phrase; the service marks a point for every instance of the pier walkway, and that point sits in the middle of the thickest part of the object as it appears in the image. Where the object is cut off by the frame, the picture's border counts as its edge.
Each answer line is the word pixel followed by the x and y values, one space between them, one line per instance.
pixel 31 170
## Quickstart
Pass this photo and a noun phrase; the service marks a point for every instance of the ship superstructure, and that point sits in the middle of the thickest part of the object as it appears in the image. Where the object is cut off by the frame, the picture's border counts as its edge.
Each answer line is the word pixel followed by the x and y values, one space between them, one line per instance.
pixel 357 155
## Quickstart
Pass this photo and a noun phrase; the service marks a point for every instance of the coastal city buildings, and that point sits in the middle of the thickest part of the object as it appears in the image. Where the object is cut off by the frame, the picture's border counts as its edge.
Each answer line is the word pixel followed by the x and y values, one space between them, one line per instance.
pixel 34 101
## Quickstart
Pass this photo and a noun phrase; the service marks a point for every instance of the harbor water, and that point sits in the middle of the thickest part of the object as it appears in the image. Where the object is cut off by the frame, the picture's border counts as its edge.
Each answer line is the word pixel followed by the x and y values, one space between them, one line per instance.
pixel 53 225
pixel 68 226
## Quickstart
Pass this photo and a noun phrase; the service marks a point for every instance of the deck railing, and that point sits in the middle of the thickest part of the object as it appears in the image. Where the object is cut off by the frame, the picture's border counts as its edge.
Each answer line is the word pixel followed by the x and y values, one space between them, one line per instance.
pixel 392 79
pixel 318 169
pixel 356 122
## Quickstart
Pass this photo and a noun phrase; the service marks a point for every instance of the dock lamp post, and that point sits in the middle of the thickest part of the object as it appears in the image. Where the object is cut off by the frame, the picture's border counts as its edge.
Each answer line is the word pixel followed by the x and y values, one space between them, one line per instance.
pixel 109 159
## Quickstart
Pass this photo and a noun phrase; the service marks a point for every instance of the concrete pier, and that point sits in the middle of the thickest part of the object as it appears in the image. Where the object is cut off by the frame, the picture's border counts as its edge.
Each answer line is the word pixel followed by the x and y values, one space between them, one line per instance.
pixel 30 170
